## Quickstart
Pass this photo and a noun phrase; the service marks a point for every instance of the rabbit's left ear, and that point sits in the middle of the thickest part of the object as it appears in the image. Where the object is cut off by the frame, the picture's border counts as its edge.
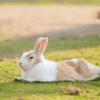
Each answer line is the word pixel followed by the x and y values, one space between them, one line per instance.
pixel 41 45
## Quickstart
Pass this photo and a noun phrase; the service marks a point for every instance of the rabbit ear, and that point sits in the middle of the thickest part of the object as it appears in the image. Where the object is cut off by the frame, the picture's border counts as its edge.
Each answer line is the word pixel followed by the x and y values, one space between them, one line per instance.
pixel 40 45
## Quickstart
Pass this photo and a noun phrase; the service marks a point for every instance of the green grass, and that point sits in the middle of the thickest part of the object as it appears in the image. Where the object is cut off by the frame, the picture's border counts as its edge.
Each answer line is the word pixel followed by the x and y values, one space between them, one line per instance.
pixel 60 49
pixel 51 2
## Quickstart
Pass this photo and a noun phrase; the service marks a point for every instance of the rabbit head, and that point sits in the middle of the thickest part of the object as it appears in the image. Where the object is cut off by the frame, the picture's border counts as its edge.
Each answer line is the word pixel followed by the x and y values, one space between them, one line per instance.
pixel 31 58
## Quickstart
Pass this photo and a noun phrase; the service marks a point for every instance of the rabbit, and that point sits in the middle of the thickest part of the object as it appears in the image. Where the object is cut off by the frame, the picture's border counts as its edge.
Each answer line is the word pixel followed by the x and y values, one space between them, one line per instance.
pixel 36 68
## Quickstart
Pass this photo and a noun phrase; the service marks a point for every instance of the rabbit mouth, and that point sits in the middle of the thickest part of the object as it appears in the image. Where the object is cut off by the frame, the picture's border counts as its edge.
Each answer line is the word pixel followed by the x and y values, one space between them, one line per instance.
pixel 23 67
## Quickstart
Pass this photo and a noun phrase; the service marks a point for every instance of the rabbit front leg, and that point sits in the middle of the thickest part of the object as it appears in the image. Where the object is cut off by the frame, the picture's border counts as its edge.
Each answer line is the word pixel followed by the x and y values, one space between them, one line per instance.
pixel 24 79
pixel 18 79
pixel 29 79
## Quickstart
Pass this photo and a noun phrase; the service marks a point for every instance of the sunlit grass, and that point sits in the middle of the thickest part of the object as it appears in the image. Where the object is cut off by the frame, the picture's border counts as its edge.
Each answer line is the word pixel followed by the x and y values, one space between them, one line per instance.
pixel 61 49
pixel 51 2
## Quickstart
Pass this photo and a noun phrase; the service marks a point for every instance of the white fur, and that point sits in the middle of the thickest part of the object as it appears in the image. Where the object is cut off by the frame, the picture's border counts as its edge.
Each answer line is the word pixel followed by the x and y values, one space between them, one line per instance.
pixel 75 60
pixel 44 71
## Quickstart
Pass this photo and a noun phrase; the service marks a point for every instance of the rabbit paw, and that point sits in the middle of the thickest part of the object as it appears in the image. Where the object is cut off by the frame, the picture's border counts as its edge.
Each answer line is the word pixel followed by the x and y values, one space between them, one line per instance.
pixel 29 80
pixel 18 79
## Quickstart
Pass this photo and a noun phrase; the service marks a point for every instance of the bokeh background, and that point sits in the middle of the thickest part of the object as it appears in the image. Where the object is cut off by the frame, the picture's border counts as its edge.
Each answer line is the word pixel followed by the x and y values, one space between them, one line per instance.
pixel 52 18
pixel 56 19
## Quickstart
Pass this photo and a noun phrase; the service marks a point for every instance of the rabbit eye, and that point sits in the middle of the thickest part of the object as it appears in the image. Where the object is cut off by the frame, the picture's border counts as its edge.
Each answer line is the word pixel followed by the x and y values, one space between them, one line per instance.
pixel 31 58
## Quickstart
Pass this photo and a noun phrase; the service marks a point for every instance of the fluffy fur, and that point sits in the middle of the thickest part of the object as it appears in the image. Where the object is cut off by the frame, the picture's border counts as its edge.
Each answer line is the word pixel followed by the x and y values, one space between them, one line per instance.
pixel 36 68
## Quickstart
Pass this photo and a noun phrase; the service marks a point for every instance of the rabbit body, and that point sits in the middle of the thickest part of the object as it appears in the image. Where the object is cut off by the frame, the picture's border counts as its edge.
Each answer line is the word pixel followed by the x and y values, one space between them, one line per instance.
pixel 45 71
pixel 36 68
pixel 77 70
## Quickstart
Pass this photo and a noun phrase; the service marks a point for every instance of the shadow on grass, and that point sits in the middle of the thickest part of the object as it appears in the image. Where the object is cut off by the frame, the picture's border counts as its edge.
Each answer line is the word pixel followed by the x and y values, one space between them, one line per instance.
pixel 78 32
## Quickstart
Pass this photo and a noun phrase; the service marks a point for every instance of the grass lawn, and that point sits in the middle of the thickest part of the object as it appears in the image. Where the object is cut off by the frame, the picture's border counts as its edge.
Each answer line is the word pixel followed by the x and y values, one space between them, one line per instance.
pixel 61 49
pixel 50 2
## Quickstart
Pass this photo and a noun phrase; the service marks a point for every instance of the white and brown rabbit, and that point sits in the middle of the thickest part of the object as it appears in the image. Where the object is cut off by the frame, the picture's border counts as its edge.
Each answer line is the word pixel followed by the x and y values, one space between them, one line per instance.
pixel 36 68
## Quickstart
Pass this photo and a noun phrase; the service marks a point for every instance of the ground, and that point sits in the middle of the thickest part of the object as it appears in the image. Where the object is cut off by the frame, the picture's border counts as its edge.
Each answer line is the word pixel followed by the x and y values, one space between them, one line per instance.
pixel 73 32
pixel 53 21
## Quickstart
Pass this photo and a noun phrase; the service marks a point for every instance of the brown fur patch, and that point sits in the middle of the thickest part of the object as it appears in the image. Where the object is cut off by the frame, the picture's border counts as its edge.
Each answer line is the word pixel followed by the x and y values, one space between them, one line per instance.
pixel 85 69
pixel 70 70
pixel 66 72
